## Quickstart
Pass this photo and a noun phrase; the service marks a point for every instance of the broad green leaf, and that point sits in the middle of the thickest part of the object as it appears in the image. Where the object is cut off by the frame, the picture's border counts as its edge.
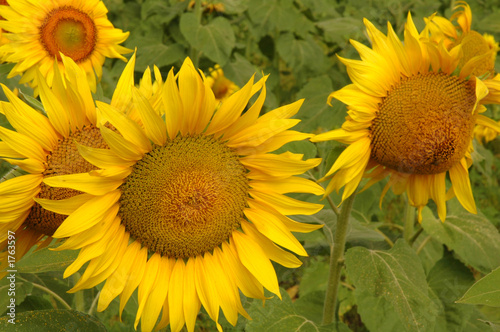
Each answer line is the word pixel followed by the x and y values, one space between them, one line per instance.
pixel 240 70
pixel 429 250
pixel 315 276
pixel 299 53
pixel 45 260
pixel 396 276
pixel 11 287
pixel 277 316
pixel 471 236
pixel 316 115
pixel 270 16
pixel 158 54
pixel 216 39
pixel 50 321
pixel 449 279
pixel 339 30
pixel 377 313
pixel 311 306
pixel 486 291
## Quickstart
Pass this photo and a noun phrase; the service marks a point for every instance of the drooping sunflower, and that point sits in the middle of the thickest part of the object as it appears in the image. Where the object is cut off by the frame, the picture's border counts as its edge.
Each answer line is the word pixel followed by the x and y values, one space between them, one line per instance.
pixel 44 146
pixel 39 31
pixel 478 49
pixel 410 117
pixel 222 87
pixel 190 207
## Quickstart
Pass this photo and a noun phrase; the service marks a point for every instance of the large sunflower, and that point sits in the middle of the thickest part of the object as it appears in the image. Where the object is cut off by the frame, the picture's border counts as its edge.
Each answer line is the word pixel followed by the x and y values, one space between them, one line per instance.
pixel 39 31
pixel 44 146
pixel 190 207
pixel 410 117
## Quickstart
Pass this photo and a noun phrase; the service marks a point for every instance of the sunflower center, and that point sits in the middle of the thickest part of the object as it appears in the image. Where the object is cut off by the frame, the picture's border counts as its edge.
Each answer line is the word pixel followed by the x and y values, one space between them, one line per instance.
pixel 425 124
pixel 64 159
pixel 474 44
pixel 69 31
pixel 186 197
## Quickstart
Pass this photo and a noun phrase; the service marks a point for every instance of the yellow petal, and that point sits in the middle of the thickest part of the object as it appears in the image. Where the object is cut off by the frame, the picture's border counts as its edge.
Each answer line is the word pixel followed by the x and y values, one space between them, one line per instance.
pixel 94 185
pixel 204 288
pixel 191 301
pixel 278 165
pixel 154 126
pixel 176 296
pixel 134 278
pixel 459 176
pixel 293 184
pixel 102 158
pixel 130 130
pixel 173 105
pixel 284 204
pixel 272 251
pixel 147 283
pixel 256 261
pixel 64 206
pixel 24 145
pixel 88 215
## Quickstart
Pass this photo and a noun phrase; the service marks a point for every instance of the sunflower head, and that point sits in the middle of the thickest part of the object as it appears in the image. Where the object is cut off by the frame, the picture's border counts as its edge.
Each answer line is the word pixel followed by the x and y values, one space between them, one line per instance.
pixel 412 109
pixel 476 47
pixel 41 32
pixel 45 146
pixel 188 204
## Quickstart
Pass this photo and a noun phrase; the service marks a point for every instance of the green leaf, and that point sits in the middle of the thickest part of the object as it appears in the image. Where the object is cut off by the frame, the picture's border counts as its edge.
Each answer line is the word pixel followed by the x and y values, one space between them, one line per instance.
pixel 51 320
pixel 471 236
pixel 45 260
pixel 486 291
pixel 315 113
pixel 158 54
pixel 449 279
pixel 277 316
pixel 431 251
pixel 339 30
pixel 315 276
pixel 396 276
pixel 13 288
pixel 377 313
pixel 299 53
pixel 270 16
pixel 216 39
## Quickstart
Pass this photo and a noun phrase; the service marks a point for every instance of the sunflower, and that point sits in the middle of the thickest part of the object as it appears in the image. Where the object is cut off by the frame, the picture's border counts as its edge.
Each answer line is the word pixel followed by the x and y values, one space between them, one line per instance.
pixel 478 49
pixel 190 207
pixel 44 146
pixel 222 87
pixel 3 40
pixel 410 117
pixel 39 31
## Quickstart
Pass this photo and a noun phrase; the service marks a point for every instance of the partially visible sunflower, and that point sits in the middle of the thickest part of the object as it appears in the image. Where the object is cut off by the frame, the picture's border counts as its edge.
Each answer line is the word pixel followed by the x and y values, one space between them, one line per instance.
pixel 45 146
pixel 485 134
pixel 222 87
pixel 190 208
pixel 478 50
pixel 410 117
pixel 39 31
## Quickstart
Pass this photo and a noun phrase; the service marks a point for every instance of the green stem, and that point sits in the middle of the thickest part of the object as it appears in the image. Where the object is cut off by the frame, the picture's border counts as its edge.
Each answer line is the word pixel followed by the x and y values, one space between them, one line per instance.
pixel 94 303
pixel 409 222
pixel 334 207
pixel 48 291
pixel 337 261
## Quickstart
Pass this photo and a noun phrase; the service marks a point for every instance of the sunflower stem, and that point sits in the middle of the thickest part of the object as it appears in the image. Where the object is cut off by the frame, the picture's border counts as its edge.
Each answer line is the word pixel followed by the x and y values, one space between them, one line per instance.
pixel 409 221
pixel 337 261
pixel 94 303
pixel 50 292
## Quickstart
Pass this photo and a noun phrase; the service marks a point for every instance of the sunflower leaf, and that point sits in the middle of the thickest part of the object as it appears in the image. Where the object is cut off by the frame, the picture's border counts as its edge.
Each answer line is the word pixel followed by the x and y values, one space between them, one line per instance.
pixel 52 320
pixel 12 287
pixel 395 281
pixel 45 260
pixel 486 291
pixel 473 237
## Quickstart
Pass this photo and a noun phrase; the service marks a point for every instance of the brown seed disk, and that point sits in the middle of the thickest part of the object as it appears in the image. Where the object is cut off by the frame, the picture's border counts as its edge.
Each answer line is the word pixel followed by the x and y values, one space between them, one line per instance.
pixel 425 124
pixel 185 198
pixel 65 159
pixel 69 31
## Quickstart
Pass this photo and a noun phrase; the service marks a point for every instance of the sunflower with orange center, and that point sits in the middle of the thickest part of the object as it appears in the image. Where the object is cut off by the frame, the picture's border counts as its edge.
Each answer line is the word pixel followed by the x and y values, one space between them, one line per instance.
pixel 220 84
pixel 39 31
pixel 45 146
pixel 411 117
pixel 190 206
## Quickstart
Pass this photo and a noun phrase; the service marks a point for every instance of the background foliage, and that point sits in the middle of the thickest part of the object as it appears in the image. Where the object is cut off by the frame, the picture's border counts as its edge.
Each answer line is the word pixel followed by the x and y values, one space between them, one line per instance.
pixel 389 284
